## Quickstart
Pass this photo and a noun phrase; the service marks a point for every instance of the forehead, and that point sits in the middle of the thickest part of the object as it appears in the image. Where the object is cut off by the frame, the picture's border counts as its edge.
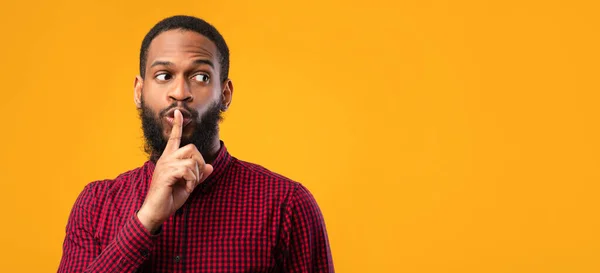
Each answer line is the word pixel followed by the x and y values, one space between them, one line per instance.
pixel 180 46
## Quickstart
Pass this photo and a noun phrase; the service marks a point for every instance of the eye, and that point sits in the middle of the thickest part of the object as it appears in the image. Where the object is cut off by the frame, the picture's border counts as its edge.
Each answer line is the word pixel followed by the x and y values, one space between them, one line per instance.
pixel 163 77
pixel 201 78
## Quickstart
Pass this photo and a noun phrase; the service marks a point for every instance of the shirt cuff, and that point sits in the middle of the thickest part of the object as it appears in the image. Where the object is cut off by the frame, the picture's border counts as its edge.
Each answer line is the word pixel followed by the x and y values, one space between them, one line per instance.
pixel 134 241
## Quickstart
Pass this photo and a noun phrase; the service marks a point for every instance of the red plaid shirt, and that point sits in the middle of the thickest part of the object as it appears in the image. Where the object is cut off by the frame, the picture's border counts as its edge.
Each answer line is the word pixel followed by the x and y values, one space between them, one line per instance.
pixel 243 218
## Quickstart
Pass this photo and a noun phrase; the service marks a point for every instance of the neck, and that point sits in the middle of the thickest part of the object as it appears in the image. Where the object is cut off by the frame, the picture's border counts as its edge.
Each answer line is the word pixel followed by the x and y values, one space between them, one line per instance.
pixel 213 150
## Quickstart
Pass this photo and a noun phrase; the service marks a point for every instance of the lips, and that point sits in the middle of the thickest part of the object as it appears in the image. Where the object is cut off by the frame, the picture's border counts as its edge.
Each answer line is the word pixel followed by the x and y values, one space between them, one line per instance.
pixel 186 121
pixel 170 116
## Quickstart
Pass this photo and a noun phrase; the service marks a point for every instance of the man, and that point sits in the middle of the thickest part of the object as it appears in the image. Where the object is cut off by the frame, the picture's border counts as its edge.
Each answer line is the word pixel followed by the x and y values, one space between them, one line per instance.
pixel 192 207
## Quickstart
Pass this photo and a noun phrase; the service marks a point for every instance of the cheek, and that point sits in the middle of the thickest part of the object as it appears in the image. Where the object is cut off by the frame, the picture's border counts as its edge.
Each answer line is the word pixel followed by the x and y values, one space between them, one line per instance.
pixel 151 95
pixel 154 102
pixel 205 98
pixel 203 107
pixel 205 94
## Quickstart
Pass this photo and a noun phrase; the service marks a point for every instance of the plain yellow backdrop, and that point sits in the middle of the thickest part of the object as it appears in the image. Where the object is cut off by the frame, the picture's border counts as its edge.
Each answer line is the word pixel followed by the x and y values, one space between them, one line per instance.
pixel 437 136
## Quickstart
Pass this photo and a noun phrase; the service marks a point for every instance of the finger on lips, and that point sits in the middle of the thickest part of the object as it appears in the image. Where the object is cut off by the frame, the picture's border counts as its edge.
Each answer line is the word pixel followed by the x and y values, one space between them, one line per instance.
pixel 175 137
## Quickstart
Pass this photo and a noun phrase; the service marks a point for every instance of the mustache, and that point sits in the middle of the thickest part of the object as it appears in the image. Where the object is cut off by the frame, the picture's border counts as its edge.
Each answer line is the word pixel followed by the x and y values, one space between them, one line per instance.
pixel 203 134
pixel 193 112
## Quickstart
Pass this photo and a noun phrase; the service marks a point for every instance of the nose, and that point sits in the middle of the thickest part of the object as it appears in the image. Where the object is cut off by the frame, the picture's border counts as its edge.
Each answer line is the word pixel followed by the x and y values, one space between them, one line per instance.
pixel 181 91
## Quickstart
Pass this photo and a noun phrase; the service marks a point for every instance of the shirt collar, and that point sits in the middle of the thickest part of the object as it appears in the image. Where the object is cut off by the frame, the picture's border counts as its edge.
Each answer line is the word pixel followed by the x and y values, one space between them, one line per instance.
pixel 220 166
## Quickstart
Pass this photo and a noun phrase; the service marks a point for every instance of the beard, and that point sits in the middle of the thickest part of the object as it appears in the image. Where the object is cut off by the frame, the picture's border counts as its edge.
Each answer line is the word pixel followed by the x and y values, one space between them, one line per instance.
pixel 205 129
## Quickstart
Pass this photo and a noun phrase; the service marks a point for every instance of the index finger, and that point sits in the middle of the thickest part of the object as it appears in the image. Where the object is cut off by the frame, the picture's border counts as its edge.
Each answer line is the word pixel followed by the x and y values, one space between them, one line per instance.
pixel 175 137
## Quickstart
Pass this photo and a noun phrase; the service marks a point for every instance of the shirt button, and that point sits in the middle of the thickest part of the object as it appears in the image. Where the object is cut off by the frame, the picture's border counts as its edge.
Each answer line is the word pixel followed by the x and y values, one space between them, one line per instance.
pixel 177 259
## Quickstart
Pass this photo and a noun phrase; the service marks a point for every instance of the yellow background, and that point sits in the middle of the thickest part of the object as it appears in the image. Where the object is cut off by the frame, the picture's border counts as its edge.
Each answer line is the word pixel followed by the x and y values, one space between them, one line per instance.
pixel 437 136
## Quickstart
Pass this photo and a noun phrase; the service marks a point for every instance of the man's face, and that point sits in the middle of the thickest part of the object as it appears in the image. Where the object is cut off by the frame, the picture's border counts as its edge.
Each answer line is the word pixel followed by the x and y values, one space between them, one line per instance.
pixel 182 72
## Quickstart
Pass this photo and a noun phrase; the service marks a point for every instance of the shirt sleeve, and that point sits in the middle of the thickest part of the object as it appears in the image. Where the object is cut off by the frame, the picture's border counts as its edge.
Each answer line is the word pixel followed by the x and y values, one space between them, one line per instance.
pixel 83 253
pixel 304 236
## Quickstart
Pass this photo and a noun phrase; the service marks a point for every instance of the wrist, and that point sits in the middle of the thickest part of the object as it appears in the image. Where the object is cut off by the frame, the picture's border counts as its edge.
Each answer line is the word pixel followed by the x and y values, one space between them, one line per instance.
pixel 151 225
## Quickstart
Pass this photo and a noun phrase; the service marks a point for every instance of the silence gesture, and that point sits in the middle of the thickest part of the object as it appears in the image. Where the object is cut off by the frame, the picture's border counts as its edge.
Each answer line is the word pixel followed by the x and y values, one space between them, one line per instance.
pixel 178 171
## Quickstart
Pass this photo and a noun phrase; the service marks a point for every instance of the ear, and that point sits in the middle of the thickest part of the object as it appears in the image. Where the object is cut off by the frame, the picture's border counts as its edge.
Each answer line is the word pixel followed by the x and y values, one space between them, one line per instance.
pixel 227 94
pixel 138 85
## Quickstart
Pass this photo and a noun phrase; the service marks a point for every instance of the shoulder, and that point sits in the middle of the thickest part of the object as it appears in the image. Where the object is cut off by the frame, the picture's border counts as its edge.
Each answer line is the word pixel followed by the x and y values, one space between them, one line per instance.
pixel 252 173
pixel 101 189
pixel 266 181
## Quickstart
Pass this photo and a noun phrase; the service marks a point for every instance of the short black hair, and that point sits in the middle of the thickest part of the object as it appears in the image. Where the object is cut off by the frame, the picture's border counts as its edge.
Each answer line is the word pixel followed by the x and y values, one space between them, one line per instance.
pixel 190 23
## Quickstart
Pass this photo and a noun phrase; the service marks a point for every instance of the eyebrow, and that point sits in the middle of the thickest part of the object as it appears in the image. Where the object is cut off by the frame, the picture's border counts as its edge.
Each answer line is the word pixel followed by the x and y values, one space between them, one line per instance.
pixel 167 63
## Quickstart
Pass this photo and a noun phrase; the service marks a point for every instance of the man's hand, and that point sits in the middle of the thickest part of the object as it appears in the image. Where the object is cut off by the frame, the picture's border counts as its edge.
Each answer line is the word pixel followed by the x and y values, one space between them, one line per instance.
pixel 178 171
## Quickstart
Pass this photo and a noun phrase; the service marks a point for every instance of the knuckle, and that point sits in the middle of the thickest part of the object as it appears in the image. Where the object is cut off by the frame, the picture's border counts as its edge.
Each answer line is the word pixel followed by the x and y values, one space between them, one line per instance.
pixel 190 148
pixel 173 169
